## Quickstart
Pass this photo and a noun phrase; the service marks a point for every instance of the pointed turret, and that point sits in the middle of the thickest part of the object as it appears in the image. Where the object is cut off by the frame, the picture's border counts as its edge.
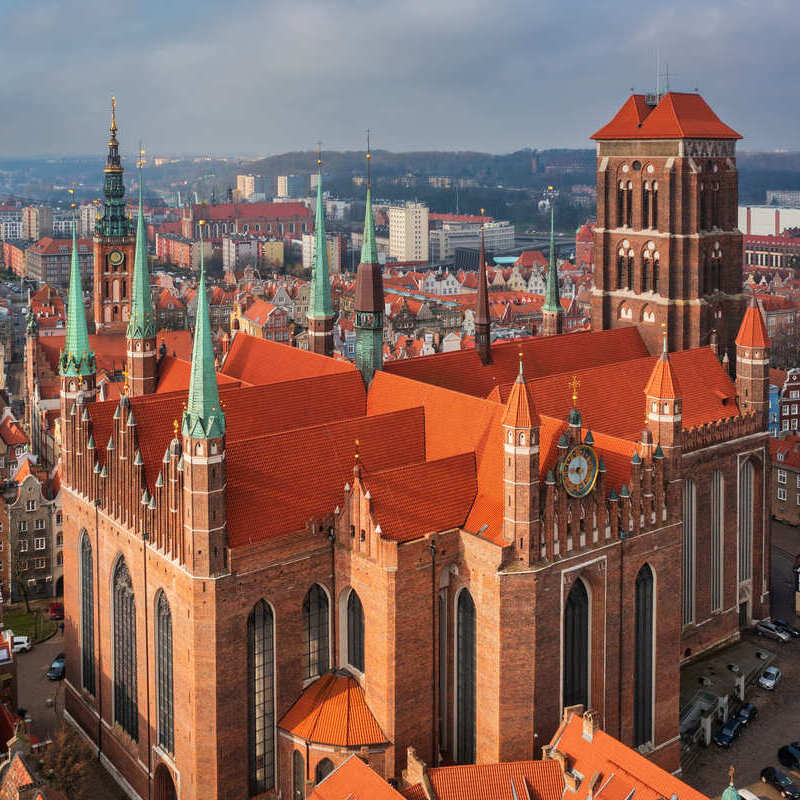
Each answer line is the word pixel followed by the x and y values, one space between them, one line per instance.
pixel 521 519
pixel 142 359
pixel 369 304
pixel 77 359
pixel 203 417
pixel 663 403
pixel 114 221
pixel 320 306
pixel 483 320
pixel 752 361
pixel 204 447
pixel 552 311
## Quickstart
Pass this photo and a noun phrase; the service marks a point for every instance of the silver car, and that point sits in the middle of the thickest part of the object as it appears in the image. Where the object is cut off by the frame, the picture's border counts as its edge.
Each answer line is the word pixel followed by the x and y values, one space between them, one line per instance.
pixel 770 678
pixel 766 627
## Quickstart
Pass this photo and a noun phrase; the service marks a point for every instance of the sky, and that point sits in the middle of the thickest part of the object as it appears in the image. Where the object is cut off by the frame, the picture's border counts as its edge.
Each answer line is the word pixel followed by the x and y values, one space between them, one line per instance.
pixel 269 76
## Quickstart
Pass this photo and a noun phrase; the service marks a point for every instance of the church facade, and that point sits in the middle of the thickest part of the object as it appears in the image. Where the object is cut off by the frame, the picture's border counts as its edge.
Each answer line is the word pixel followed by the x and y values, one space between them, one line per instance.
pixel 274 565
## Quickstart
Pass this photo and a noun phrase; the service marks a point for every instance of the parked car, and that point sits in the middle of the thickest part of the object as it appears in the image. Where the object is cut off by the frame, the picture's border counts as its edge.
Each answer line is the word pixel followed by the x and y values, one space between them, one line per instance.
pixel 770 630
pixel 770 678
pixel 781 782
pixel 747 713
pixel 21 644
pixel 728 732
pixel 56 611
pixel 789 756
pixel 57 668
pixel 785 626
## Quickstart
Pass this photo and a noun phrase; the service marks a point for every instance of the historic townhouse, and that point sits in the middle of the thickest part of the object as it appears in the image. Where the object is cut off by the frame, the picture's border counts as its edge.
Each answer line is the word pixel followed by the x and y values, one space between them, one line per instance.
pixel 277 564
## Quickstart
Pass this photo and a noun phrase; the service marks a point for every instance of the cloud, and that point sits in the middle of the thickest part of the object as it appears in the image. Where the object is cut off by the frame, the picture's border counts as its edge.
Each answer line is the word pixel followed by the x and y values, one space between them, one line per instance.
pixel 264 76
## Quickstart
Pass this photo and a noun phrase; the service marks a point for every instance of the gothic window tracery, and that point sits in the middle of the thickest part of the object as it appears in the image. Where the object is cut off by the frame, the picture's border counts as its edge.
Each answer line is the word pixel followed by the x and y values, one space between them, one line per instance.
pixel 315 632
pixel 87 614
pixel 126 704
pixel 261 698
pixel 465 678
pixel 164 684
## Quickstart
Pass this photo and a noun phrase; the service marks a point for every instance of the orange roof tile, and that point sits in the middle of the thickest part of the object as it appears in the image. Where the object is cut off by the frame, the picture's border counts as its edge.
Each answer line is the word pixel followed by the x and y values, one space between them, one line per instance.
pixel 354 780
pixel 174 373
pixel 678 115
pixel 621 771
pixel 258 311
pixel 752 331
pixel 11 433
pixel 25 469
pixel 662 382
pixel 543 780
pixel 333 711
pixel 520 410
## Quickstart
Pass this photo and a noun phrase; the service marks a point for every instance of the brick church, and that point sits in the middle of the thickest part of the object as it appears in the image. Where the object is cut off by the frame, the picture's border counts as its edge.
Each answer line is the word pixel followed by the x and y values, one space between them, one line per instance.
pixel 275 564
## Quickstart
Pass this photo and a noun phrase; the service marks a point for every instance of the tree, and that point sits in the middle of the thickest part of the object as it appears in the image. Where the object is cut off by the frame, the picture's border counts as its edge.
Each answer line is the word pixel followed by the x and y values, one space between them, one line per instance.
pixel 18 578
pixel 65 764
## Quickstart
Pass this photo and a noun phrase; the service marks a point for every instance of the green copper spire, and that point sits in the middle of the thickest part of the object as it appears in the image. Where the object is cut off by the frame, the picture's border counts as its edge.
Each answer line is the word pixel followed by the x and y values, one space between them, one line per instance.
pixel 142 323
pixel 114 221
pixel 552 302
pixel 369 252
pixel 203 417
pixel 319 303
pixel 76 357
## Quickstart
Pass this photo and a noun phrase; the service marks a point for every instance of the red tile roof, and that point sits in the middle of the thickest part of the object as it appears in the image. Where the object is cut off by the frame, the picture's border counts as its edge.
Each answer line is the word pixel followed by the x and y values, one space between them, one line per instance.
pixel 333 711
pixel 11 433
pixel 662 381
pixel 174 374
pixel 354 780
pixel 789 451
pixel 520 410
pixel 225 211
pixel 677 116
pixel 539 780
pixel 753 330
pixel 460 218
pixel 259 311
pixel 620 771
pixel 49 246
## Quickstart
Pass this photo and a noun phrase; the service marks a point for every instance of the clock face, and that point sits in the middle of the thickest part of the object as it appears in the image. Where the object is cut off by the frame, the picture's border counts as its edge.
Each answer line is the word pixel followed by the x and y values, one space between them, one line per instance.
pixel 579 470
pixel 116 257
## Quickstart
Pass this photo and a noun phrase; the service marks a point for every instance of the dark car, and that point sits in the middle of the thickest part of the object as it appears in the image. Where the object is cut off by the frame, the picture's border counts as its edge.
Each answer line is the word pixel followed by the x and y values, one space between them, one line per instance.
pixel 747 713
pixel 57 668
pixel 56 611
pixel 789 756
pixel 781 782
pixel 790 629
pixel 728 732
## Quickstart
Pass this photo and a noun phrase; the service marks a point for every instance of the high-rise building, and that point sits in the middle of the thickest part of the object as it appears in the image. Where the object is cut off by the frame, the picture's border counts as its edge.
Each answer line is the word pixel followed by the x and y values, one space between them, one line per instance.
pixel 37 221
pixel 408 232
pixel 667 247
pixel 246 185
pixel 292 185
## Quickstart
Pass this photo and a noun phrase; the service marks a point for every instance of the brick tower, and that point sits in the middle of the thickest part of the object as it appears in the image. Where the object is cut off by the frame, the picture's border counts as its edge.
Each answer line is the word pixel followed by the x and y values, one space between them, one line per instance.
pixel 663 405
pixel 483 319
pixel 552 312
pixel 752 361
pixel 667 247
pixel 369 299
pixel 320 307
pixel 521 521
pixel 204 476
pixel 142 359
pixel 113 244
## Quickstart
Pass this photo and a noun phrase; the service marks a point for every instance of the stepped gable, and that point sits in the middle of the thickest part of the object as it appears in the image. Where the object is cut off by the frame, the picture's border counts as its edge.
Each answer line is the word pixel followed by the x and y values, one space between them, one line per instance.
pixel 462 370
pixel 412 500
pixel 260 361
pixel 277 475
pixel 513 780
pixel 249 411
pixel 333 711
pixel 678 115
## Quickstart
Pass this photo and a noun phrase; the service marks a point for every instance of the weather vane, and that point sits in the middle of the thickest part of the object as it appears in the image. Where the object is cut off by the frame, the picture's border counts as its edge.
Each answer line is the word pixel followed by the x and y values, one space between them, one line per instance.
pixel 574 384
pixel 357 454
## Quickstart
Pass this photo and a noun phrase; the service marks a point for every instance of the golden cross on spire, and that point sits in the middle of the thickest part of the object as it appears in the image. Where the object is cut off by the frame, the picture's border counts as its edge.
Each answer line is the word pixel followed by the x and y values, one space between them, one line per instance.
pixel 142 151
pixel 113 114
pixel 319 155
pixel 357 455
pixel 124 380
pixel 175 428
pixel 574 384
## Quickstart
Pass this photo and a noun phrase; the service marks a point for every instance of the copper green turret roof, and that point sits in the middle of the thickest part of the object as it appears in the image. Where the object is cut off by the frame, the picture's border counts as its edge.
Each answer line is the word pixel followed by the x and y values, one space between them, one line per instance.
pixel 142 323
pixel 369 252
pixel 552 301
pixel 319 303
pixel 203 417
pixel 76 357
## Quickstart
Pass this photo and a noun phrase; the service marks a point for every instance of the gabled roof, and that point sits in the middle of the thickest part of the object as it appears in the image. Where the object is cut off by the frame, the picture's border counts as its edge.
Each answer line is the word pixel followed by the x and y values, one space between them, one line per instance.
pixel 333 711
pixel 514 780
pixel 259 311
pixel 11 433
pixel 677 115
pixel 354 780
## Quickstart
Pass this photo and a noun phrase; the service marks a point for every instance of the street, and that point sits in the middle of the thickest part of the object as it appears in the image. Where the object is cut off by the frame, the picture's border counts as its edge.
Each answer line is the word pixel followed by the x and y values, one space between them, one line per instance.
pixel 41 698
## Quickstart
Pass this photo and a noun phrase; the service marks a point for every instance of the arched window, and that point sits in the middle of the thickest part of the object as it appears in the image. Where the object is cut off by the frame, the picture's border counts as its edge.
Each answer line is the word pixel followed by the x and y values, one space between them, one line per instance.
pixel 315 632
pixel 688 547
pixel 261 698
pixel 746 505
pixel 87 614
pixel 621 204
pixel 645 270
pixel 166 724
pixel 355 631
pixel 643 669
pixel 126 704
pixel 298 776
pixel 324 768
pixel 646 204
pixel 629 205
pixel 629 276
pixel 654 204
pixel 620 269
pixel 656 267
pixel 703 225
pixel 465 678
pixel 717 537
pixel 576 646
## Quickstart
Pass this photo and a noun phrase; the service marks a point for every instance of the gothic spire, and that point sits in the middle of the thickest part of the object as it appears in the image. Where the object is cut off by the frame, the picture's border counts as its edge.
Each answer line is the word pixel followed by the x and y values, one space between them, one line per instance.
pixel 552 301
pixel 320 304
pixel 203 417
pixel 113 221
pixel 369 252
pixel 142 323
pixel 483 320
pixel 76 357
